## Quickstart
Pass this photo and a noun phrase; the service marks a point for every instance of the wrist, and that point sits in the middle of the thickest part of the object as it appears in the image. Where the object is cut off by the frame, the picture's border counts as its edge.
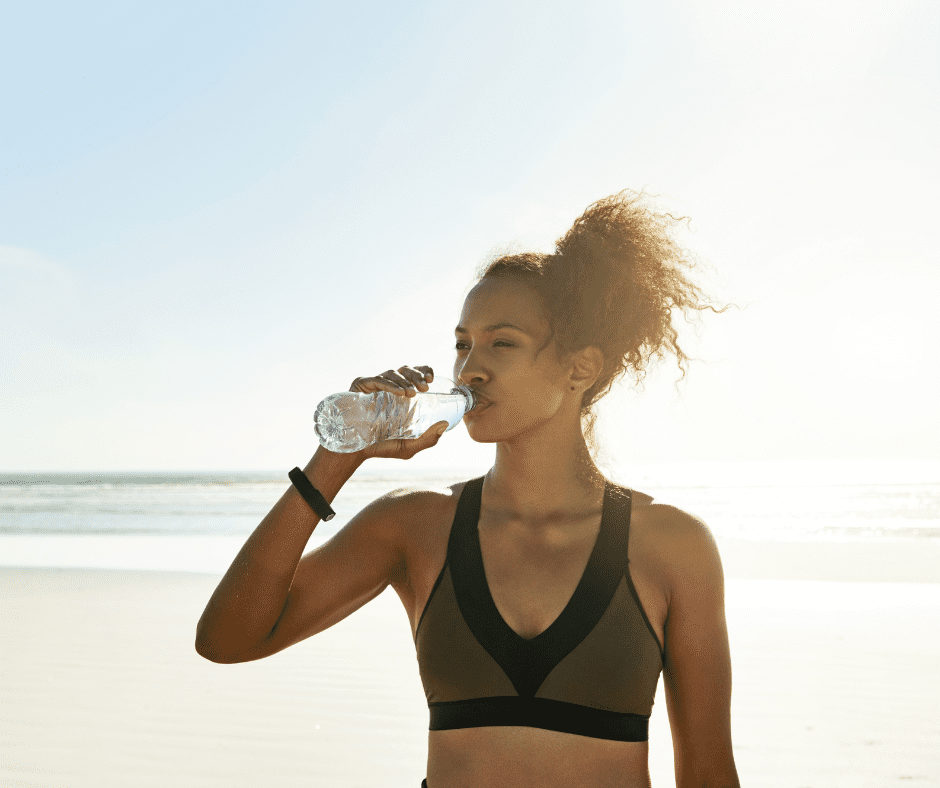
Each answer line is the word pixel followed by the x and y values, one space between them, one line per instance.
pixel 328 470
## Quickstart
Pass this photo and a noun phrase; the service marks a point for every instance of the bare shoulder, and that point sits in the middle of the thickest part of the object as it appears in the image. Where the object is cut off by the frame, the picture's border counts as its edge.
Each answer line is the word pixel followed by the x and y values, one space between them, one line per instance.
pixel 423 496
pixel 678 547
pixel 415 505
pixel 418 515
pixel 406 505
pixel 673 524
pixel 426 507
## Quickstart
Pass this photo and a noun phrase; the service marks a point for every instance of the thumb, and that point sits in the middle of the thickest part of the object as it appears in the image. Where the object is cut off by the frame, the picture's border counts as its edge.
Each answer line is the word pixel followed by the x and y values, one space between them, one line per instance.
pixel 439 429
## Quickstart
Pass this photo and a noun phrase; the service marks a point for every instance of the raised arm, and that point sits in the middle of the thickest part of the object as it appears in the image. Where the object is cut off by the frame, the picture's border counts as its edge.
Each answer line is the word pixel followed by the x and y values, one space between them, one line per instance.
pixel 270 597
pixel 249 600
pixel 697 674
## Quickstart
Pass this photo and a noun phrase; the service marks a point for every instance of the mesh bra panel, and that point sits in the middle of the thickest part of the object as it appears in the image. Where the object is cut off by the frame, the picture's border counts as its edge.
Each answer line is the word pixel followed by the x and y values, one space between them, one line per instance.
pixel 610 669
pixel 452 663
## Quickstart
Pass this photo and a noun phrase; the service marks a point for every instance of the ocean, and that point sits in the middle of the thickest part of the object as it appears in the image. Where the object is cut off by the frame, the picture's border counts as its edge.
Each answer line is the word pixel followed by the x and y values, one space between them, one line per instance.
pixel 197 521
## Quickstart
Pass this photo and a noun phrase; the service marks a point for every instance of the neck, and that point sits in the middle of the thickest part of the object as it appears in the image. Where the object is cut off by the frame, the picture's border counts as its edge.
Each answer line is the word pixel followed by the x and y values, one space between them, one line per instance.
pixel 544 477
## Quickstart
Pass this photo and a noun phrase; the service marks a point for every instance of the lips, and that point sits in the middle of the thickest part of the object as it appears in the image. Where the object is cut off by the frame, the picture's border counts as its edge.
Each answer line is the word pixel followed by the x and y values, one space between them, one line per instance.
pixel 479 401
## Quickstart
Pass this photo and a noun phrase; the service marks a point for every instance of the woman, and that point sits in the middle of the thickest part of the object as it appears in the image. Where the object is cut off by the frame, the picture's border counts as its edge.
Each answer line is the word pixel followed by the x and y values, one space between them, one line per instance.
pixel 539 645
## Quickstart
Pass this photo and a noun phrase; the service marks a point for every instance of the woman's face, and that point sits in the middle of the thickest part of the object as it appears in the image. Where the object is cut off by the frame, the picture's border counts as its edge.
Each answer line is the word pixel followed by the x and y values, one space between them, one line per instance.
pixel 524 387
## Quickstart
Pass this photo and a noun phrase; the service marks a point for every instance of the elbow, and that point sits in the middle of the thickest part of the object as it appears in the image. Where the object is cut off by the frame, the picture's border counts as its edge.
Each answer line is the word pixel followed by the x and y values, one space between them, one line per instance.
pixel 224 652
pixel 219 657
pixel 209 648
pixel 205 651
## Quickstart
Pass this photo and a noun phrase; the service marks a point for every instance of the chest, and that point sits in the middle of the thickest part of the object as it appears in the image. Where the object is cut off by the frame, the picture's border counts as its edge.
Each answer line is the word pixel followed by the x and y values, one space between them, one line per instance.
pixel 531 574
pixel 532 571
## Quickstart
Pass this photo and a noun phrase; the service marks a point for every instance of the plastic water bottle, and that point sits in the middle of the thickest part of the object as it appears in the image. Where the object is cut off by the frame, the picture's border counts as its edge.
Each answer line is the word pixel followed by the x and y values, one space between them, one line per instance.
pixel 351 420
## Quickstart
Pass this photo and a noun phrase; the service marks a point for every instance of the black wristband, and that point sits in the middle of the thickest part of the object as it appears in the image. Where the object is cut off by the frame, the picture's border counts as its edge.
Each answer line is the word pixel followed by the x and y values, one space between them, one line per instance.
pixel 311 495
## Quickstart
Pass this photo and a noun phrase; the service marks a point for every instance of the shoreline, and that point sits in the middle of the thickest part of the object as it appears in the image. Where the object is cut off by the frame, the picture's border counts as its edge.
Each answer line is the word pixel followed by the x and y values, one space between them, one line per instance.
pixel 885 560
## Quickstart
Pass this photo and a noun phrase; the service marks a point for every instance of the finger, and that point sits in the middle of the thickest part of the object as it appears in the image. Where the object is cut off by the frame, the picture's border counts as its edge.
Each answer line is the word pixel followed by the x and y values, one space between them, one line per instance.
pixel 408 388
pixel 360 384
pixel 366 385
pixel 415 377
pixel 435 431
pixel 377 383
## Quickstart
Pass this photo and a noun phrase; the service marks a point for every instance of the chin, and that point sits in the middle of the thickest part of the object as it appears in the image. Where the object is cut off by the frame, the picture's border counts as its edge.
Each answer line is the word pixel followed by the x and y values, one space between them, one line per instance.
pixel 480 433
pixel 480 436
pixel 484 440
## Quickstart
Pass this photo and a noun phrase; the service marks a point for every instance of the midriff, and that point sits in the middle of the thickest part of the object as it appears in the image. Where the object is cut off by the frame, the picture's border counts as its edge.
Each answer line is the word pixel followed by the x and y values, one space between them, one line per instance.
pixel 533 758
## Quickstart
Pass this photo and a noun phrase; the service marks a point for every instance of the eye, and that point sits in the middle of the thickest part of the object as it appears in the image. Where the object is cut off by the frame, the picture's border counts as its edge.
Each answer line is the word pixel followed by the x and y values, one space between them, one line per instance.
pixel 498 342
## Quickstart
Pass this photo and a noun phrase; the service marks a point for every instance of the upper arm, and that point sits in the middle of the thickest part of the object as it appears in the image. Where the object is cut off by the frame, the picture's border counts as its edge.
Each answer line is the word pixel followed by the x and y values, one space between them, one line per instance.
pixel 341 575
pixel 697 672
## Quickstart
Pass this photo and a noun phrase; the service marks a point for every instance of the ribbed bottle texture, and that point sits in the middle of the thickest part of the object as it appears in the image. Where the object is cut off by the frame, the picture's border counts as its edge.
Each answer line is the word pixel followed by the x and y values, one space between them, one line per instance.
pixel 350 420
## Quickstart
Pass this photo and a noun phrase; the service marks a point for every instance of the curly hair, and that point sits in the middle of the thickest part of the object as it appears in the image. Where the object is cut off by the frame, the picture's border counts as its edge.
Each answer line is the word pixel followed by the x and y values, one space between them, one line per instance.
pixel 613 281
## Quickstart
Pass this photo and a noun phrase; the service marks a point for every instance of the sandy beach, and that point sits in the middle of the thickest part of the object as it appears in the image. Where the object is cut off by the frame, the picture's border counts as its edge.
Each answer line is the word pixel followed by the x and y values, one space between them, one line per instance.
pixel 835 651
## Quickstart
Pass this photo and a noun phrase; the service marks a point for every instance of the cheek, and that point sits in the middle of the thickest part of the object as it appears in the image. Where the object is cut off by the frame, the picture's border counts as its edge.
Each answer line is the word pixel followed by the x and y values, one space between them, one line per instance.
pixel 538 397
pixel 543 401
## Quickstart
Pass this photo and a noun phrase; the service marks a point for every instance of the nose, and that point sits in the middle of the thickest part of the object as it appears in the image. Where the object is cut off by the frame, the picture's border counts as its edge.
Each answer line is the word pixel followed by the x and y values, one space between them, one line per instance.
pixel 469 374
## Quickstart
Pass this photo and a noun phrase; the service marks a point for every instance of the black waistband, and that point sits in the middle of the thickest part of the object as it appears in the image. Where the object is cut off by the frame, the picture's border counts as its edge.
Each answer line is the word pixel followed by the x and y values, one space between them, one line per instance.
pixel 552 715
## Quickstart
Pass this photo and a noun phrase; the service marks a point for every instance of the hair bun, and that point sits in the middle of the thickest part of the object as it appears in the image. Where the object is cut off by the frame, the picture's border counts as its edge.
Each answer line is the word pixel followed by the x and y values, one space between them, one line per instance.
pixel 614 281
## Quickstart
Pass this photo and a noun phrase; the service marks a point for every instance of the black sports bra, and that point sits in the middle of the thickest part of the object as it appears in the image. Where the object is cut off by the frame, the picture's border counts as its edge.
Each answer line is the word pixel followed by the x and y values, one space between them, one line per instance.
pixel 593 672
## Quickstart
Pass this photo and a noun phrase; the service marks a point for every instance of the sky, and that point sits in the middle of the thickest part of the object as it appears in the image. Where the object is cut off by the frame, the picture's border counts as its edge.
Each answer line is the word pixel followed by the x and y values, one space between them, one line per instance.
pixel 213 215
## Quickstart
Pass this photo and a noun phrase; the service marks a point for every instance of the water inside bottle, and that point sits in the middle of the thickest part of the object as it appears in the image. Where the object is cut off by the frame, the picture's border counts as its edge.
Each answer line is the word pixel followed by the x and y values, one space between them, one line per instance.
pixel 350 421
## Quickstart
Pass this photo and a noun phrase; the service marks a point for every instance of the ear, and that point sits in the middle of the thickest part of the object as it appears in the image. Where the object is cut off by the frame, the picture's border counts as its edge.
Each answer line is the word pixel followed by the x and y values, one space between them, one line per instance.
pixel 586 367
